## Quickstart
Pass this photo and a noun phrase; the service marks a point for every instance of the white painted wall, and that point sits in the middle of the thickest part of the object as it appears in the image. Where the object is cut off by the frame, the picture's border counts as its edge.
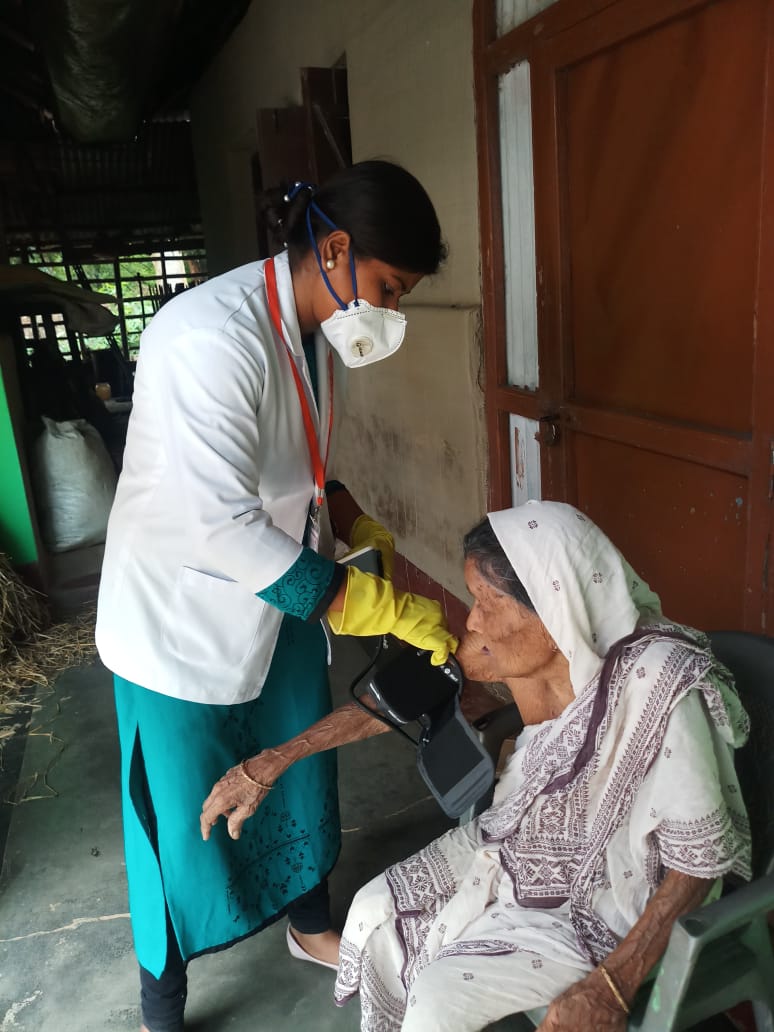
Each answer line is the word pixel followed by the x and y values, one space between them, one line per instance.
pixel 416 439
pixel 410 73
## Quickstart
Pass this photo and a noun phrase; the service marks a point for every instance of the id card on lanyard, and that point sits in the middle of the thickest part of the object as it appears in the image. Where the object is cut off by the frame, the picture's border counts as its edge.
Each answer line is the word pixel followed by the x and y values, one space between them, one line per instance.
pixel 318 460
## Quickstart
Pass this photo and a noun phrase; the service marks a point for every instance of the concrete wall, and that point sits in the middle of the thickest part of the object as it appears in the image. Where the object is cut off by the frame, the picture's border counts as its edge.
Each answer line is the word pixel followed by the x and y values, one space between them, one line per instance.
pixel 410 67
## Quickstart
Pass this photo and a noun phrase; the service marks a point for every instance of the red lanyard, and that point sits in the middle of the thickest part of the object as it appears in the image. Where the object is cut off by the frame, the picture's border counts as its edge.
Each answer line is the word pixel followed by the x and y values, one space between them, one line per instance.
pixel 318 462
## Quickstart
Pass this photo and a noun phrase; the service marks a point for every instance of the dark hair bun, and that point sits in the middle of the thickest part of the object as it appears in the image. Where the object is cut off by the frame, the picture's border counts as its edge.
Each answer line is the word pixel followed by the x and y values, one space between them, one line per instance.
pixel 385 210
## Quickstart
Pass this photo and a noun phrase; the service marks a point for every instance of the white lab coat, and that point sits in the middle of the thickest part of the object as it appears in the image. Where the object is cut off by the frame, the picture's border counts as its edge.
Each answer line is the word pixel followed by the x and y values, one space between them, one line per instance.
pixel 212 502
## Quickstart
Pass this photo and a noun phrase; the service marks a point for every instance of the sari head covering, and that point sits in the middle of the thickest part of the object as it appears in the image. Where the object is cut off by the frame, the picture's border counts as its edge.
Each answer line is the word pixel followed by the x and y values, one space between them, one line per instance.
pixel 629 669
pixel 582 588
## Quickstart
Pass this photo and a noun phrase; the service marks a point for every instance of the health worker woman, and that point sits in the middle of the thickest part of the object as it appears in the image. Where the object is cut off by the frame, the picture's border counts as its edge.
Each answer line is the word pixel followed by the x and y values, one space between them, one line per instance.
pixel 217 569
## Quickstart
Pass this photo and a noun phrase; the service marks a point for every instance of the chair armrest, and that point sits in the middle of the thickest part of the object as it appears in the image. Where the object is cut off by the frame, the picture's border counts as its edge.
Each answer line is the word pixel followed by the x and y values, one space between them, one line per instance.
pixel 706 923
pixel 741 912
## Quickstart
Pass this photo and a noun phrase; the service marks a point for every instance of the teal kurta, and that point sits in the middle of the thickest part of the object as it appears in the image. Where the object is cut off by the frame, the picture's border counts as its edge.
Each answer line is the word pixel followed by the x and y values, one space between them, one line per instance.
pixel 222 890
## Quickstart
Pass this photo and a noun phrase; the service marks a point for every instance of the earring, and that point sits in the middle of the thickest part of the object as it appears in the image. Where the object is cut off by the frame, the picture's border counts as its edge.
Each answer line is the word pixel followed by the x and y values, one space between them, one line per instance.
pixel 330 264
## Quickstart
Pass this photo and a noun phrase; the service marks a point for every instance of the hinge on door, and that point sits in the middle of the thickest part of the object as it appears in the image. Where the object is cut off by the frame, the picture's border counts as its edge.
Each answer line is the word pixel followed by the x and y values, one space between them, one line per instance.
pixel 771 470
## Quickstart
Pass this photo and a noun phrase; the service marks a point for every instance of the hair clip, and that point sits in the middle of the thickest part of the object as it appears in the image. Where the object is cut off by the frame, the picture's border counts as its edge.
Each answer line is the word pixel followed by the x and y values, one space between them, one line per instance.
pixel 296 189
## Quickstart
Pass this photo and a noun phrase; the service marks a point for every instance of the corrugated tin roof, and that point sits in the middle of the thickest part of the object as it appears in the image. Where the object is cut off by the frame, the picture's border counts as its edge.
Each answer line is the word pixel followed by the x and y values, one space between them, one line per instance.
pixel 105 198
pixel 111 199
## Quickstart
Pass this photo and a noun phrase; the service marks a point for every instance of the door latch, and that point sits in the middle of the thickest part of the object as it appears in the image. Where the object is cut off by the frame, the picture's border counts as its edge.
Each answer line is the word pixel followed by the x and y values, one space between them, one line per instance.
pixel 549 431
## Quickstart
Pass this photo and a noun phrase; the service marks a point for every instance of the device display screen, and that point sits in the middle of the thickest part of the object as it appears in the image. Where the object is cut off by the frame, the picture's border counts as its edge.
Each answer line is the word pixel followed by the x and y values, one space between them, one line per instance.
pixel 410 685
pixel 449 756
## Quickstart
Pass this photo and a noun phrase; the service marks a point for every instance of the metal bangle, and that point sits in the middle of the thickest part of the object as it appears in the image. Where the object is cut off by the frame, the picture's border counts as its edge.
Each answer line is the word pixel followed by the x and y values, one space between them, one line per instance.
pixel 613 988
pixel 243 772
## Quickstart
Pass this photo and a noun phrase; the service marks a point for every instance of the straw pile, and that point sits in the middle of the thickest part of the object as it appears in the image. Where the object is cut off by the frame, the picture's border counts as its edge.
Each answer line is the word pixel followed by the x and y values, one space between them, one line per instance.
pixel 33 652
pixel 23 611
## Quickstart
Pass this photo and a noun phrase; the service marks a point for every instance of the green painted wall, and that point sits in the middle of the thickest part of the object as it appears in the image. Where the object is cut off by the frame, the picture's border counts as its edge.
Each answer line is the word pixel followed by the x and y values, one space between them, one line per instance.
pixel 17 537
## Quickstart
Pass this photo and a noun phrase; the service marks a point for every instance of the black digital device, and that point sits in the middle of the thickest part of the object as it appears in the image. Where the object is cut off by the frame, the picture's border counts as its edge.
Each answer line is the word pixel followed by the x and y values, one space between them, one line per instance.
pixel 453 762
pixel 367 559
pixel 406 687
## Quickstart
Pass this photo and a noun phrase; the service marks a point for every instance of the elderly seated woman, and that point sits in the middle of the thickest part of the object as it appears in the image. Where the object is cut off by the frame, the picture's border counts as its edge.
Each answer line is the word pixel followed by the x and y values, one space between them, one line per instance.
pixel 616 814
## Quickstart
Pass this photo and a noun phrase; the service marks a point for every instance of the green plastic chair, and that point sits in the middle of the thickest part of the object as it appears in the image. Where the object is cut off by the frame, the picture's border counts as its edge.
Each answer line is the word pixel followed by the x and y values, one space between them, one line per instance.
pixel 720 954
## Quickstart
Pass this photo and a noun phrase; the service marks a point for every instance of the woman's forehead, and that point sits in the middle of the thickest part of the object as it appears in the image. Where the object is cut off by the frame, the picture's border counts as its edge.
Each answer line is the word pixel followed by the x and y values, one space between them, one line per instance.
pixel 481 587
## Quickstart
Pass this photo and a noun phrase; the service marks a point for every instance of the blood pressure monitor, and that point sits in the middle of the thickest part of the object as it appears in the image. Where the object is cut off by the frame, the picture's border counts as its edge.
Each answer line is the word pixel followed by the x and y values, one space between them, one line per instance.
pixel 408 686
pixel 405 688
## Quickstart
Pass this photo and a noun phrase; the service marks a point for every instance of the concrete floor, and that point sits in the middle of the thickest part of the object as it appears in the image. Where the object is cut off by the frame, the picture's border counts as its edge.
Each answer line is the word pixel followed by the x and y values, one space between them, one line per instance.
pixel 66 959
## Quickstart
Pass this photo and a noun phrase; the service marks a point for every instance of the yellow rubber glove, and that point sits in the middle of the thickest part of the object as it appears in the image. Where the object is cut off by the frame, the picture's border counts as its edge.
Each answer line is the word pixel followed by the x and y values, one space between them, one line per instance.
pixel 373 606
pixel 366 531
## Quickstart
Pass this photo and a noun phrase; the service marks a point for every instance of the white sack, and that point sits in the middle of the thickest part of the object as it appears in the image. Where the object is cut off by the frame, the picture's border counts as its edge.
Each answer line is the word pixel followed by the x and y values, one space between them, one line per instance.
pixel 75 482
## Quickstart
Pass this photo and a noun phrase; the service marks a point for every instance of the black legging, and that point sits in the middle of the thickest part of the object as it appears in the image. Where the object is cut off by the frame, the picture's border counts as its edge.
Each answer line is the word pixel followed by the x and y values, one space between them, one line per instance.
pixel 163 999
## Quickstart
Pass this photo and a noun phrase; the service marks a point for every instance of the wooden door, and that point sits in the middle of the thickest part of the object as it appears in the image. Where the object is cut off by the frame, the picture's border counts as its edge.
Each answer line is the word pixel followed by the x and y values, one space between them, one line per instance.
pixel 310 141
pixel 652 143
pixel 326 104
pixel 283 156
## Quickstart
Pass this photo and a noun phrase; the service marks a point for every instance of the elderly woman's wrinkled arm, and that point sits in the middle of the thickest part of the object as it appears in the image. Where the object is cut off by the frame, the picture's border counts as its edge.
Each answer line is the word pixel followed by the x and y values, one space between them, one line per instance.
pixel 593 1002
pixel 243 788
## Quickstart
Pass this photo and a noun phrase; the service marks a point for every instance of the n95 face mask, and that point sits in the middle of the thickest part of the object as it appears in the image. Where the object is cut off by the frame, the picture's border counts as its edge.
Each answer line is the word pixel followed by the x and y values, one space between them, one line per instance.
pixel 359 332
pixel 362 334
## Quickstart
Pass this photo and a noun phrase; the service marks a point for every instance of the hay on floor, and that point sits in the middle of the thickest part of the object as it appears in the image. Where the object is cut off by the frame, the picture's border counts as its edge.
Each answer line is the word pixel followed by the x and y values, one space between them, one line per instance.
pixel 23 611
pixel 33 651
pixel 46 654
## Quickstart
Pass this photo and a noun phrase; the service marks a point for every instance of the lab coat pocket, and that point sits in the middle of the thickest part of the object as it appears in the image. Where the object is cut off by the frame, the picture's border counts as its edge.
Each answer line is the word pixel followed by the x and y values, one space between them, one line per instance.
pixel 211 622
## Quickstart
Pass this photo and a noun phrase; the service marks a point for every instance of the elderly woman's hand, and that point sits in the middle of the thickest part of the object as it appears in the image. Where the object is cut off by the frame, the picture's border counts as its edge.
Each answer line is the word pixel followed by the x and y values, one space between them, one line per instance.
pixel 240 792
pixel 587 1006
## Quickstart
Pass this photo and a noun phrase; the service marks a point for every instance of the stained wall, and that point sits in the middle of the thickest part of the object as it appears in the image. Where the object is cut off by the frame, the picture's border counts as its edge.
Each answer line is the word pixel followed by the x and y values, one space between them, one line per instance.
pixel 412 446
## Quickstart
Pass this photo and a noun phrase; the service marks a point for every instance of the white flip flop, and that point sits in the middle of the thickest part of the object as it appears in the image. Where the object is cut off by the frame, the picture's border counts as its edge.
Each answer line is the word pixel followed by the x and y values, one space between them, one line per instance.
pixel 297 950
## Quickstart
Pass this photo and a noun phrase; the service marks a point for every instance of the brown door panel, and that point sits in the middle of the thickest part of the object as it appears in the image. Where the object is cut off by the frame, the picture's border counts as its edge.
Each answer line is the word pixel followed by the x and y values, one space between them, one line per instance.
pixel 653 149
pixel 326 104
pixel 662 142
pixel 655 235
pixel 283 146
pixel 683 526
